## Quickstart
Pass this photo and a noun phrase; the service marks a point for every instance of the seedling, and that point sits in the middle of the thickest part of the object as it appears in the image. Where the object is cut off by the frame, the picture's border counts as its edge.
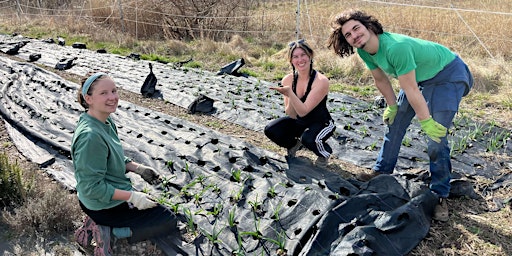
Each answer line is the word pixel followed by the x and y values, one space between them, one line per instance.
pixel 276 211
pixel 256 205
pixel 201 178
pixel 459 146
pixel 497 141
pixel 214 236
pixel 272 191
pixel 170 165
pixel 256 235
pixel 406 142
pixel 166 181
pixel 191 226
pixel 217 209
pixel 231 217
pixel 236 175
pixel 237 195
pixel 280 241
pixel 372 146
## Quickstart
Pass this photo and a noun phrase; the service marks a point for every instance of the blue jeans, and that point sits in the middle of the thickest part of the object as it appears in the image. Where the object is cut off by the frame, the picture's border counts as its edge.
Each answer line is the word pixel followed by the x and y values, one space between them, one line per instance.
pixel 443 94
pixel 439 153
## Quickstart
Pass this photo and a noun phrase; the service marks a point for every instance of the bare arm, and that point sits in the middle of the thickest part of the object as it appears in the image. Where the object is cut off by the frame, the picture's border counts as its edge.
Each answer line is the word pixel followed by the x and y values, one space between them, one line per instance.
pixel 287 82
pixel 414 96
pixel 294 106
pixel 121 195
pixel 384 86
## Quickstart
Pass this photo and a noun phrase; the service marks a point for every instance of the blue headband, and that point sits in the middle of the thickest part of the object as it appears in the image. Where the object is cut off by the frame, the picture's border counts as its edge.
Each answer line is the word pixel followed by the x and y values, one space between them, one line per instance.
pixel 89 81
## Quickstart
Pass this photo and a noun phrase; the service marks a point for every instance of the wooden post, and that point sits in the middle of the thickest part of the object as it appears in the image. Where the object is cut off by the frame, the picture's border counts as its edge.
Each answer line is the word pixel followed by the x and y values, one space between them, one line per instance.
pixel 121 15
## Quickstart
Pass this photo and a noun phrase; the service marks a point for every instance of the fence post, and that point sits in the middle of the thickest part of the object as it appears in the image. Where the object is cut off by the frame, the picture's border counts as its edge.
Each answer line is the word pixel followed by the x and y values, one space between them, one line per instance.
pixel 297 28
pixel 121 16
pixel 18 9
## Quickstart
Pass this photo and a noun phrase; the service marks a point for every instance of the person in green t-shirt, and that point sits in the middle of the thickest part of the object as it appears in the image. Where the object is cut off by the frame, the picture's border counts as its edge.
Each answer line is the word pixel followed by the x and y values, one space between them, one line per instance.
pixel 432 82
pixel 104 191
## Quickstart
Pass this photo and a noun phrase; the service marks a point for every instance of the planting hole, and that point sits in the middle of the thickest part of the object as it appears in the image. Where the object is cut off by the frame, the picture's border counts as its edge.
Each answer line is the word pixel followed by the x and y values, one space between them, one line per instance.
pixel 292 202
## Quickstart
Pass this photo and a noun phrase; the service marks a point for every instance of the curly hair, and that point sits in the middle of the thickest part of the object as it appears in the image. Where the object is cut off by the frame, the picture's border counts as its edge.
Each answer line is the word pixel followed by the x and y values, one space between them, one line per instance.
pixel 337 40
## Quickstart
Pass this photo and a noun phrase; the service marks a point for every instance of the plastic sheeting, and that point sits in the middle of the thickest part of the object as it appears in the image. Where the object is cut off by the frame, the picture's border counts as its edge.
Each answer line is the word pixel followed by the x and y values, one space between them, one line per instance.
pixel 276 203
pixel 249 102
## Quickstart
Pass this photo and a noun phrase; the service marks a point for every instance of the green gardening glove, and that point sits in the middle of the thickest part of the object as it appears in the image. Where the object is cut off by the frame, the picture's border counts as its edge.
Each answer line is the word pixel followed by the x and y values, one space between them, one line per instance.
pixel 390 114
pixel 433 129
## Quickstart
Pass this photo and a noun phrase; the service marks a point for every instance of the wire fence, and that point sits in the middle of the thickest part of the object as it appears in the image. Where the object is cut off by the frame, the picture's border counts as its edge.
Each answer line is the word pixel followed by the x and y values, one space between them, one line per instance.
pixel 465 26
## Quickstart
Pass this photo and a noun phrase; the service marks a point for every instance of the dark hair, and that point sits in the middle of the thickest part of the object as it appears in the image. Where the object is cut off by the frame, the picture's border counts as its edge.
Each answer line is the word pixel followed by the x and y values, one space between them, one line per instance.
pixel 337 40
pixel 301 43
pixel 80 97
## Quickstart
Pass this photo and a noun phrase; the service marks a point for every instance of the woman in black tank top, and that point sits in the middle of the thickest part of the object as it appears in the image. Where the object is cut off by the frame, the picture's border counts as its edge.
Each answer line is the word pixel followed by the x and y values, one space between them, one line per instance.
pixel 308 122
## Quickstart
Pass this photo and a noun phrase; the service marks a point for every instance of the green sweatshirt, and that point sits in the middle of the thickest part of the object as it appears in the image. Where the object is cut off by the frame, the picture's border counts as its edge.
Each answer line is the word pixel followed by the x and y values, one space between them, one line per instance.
pixel 99 162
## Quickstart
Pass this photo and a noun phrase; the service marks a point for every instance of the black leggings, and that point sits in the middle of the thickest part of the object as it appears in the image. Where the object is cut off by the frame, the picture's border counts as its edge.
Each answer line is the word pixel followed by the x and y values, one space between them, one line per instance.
pixel 285 131
pixel 145 224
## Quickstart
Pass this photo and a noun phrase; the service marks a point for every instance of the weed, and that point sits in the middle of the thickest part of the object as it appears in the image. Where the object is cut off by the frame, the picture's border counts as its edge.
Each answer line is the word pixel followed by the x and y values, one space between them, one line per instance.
pixel 46 210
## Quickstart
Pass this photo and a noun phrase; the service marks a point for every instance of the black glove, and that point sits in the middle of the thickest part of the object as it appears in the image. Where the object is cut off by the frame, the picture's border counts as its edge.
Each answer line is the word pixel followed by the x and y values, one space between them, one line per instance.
pixel 147 173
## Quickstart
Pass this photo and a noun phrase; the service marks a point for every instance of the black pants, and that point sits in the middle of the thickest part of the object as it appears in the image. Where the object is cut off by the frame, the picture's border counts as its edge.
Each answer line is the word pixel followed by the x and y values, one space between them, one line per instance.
pixel 145 224
pixel 285 132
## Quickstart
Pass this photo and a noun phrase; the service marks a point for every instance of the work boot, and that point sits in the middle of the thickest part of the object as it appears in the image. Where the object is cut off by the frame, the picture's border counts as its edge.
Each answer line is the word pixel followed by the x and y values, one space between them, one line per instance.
pixel 322 161
pixel 441 211
pixel 366 176
pixel 293 150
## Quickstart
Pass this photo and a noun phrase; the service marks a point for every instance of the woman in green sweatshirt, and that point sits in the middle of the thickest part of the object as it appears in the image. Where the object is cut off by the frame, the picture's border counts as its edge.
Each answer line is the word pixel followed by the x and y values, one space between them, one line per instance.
pixel 104 191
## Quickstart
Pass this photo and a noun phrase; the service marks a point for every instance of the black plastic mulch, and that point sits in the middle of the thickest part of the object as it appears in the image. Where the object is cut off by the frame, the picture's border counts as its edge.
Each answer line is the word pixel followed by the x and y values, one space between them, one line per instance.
pixel 277 203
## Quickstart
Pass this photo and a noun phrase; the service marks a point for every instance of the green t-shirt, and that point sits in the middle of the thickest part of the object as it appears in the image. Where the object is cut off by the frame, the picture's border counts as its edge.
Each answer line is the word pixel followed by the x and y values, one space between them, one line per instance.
pixel 99 162
pixel 400 54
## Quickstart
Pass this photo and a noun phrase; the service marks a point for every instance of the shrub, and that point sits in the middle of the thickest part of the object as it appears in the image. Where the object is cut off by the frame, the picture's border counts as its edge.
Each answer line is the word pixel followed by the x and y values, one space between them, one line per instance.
pixel 13 188
pixel 49 210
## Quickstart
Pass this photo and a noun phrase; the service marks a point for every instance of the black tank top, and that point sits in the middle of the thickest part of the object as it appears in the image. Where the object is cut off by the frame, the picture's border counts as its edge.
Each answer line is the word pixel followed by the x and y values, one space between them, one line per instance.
pixel 320 113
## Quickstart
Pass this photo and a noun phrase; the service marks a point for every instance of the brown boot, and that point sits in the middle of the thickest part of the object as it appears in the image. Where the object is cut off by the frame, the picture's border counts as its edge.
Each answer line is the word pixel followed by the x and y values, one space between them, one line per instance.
pixel 441 211
pixel 293 150
pixel 322 161
pixel 366 176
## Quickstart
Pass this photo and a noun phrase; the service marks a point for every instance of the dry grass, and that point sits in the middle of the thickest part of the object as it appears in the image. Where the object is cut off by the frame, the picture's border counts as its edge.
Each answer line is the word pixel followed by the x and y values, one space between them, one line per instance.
pixel 478 31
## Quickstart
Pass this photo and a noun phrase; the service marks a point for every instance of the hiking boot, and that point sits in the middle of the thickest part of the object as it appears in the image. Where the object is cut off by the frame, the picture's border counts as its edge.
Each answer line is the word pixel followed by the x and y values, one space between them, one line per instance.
pixel 322 161
pixel 103 241
pixel 293 150
pixel 84 235
pixel 366 176
pixel 441 211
